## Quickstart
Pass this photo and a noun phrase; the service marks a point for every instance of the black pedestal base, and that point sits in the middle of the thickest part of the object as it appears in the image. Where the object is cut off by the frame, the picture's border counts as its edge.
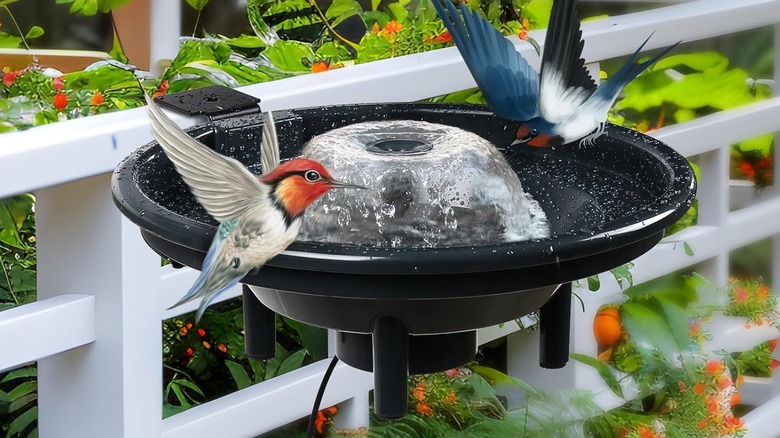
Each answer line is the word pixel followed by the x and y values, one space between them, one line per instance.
pixel 392 354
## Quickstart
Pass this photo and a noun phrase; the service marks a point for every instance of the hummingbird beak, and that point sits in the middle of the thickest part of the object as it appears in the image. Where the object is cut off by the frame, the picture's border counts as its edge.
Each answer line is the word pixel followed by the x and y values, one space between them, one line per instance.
pixel 521 141
pixel 342 185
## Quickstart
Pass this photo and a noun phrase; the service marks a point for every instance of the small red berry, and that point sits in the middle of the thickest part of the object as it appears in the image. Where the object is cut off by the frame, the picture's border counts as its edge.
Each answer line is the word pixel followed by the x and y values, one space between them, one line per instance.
pixel 57 83
pixel 97 98
pixel 60 101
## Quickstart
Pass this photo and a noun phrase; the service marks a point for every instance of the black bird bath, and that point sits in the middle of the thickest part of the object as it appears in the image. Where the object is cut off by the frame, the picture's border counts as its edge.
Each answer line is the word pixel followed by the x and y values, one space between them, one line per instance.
pixel 400 311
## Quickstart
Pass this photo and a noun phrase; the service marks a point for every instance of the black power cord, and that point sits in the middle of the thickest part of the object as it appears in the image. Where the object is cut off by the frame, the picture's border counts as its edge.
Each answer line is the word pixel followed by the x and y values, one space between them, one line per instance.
pixel 318 399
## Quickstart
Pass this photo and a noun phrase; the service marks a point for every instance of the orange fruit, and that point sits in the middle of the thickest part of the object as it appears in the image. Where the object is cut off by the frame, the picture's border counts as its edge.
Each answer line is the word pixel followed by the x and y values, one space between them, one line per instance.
pixel 606 327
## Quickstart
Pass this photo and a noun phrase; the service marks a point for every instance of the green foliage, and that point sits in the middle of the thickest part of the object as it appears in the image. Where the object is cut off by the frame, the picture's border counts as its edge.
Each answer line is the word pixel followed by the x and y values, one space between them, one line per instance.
pixel 18 408
pixel 91 7
pixel 208 361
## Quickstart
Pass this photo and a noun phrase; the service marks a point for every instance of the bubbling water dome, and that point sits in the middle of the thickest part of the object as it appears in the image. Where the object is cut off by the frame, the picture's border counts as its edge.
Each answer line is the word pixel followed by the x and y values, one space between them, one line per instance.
pixel 429 185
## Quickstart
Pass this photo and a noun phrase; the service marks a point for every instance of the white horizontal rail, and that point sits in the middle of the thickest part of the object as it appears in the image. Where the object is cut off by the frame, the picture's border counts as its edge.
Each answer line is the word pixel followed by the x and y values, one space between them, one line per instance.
pixel 33 159
pixel 227 416
pixel 175 282
pixel 726 127
pixel 44 328
pixel 761 422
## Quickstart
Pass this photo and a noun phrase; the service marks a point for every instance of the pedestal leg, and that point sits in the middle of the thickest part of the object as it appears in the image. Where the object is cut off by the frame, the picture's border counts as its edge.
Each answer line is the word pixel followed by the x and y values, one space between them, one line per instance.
pixel 554 325
pixel 259 327
pixel 391 367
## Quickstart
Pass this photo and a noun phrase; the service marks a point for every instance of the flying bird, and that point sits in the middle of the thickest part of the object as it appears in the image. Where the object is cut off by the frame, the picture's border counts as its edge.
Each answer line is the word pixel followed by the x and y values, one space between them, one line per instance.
pixel 258 216
pixel 561 105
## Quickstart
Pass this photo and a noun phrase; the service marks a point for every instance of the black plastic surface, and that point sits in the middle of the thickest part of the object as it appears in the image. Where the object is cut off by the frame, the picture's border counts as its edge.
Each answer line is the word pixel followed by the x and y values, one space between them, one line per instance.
pixel 214 102
pixel 259 327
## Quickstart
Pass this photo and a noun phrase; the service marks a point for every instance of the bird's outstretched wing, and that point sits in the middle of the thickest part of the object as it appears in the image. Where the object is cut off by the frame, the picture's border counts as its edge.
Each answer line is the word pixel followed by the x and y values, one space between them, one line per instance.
pixel 269 146
pixel 509 84
pixel 565 82
pixel 222 185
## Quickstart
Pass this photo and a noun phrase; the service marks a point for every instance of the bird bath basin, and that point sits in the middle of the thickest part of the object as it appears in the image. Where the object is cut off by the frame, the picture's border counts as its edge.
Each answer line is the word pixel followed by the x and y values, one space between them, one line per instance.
pixel 401 310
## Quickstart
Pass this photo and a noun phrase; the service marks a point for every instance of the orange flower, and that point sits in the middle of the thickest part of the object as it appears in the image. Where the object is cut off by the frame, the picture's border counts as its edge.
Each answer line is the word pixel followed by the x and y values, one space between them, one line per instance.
pixel 773 344
pixel 189 325
pixel 206 344
pixel 201 332
pixel 740 295
pixel 762 291
pixel 422 408
pixel 523 35
pixel 724 382
pixel 646 432
pixel 418 393
pixel 375 28
pixel 775 363
pixel 60 101
pixel 319 66
pixel 183 331
pixel 733 423
pixel 702 424
pixel 57 83
pixel 222 348
pixel 162 89
pixel 97 98
pixel 714 367
pixel 189 352
pixel 331 411
pixel 694 328
pixel 393 27
pixel 525 23
pixel 451 398
pixel 698 388
pixel 319 423
pixel 443 37
pixel 735 398
pixel 712 405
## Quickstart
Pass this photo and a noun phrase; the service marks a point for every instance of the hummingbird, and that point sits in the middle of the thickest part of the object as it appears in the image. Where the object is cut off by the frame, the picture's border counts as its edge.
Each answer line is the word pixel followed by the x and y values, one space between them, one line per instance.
pixel 561 105
pixel 259 217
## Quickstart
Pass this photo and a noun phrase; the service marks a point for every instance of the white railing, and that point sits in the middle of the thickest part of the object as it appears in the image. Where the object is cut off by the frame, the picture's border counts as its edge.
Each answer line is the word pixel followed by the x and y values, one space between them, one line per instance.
pixel 96 330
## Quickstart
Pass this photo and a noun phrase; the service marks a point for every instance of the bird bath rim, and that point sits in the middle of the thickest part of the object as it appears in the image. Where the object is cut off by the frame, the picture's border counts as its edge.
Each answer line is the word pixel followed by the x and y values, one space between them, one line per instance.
pixel 650 220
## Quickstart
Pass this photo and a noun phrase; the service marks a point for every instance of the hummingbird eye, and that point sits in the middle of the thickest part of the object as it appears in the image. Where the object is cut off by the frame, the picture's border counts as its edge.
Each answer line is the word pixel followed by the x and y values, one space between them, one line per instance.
pixel 312 176
pixel 534 132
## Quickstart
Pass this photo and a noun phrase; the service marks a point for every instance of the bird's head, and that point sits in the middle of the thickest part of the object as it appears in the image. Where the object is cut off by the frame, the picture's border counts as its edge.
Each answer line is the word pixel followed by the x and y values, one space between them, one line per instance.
pixel 537 132
pixel 299 182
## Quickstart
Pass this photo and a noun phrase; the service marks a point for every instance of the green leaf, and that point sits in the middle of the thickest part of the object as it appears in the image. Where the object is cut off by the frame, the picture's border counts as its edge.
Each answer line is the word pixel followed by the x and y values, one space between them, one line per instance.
pixel 688 249
pixel 623 275
pixel 289 55
pixel 398 10
pixel 22 402
pixel 239 374
pixel 21 422
pixel 170 410
pixel 20 373
pixel 293 362
pixel 538 13
pixel 198 5
pixel 8 41
pixel 246 42
pixel 180 396
pixel 604 370
pixel 117 52
pixel 594 283
pixel 23 389
pixel 313 339
pixel 34 32
pixel 190 385
pixel 709 61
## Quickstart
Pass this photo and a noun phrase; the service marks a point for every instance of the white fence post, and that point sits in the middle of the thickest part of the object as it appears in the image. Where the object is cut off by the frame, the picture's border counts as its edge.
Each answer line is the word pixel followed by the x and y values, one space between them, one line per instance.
pixel 111 388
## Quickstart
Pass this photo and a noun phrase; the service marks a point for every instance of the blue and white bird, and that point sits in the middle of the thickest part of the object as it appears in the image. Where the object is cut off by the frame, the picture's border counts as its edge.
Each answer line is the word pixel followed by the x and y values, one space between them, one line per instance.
pixel 560 106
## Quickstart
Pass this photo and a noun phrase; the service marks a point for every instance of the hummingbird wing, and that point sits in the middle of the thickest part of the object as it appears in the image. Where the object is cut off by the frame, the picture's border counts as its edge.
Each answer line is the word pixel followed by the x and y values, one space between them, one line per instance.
pixel 269 146
pixel 565 82
pixel 509 84
pixel 222 185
